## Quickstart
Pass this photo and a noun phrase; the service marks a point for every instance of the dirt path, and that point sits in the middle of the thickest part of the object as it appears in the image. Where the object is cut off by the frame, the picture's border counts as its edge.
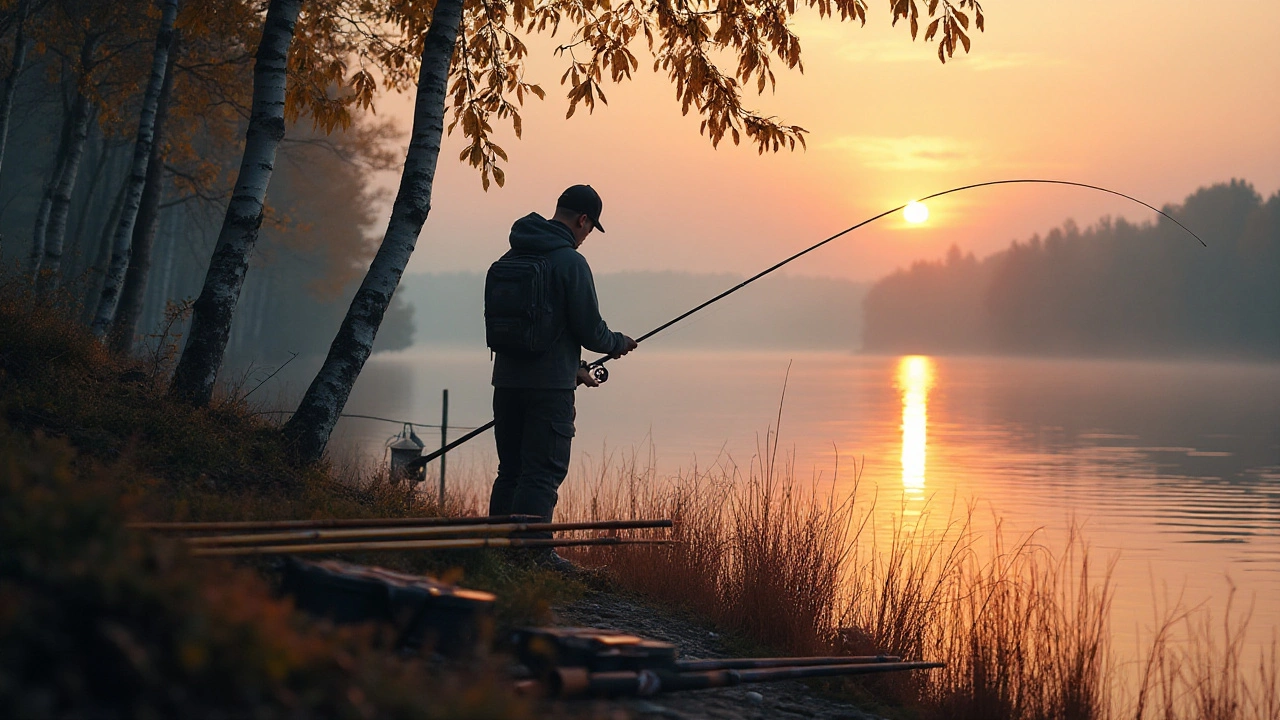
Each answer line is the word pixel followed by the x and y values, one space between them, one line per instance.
pixel 696 640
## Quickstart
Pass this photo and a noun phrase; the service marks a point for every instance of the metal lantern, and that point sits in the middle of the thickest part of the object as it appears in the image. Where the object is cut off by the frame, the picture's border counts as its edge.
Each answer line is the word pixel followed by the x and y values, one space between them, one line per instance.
pixel 405 448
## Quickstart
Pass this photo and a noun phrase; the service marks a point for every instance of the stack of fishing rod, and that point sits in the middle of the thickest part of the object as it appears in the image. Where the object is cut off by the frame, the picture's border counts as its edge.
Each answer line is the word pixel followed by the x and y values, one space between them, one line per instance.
pixel 589 662
pixel 304 537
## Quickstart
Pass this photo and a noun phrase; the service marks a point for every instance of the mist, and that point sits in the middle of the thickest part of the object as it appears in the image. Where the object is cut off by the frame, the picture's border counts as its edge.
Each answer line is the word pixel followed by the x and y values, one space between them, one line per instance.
pixel 777 312
pixel 1113 289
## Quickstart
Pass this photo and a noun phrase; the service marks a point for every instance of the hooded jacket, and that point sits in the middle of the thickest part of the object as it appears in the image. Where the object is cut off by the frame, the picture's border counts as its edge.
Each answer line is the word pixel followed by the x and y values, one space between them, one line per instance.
pixel 573 293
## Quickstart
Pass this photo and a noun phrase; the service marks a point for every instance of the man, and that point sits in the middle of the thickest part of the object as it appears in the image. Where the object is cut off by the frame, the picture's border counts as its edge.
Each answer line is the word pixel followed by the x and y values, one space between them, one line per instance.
pixel 533 391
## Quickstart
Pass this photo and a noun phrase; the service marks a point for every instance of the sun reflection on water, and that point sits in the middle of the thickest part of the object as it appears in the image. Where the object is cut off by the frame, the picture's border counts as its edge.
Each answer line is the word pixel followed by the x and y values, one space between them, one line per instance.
pixel 915 378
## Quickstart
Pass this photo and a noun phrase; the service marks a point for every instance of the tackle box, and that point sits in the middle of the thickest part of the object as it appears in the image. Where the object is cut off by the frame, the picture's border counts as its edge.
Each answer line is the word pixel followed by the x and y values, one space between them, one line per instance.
pixel 444 618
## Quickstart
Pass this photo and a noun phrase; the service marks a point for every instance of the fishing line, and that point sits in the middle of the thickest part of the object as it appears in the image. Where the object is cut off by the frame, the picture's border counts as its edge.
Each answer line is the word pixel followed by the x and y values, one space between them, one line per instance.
pixel 601 374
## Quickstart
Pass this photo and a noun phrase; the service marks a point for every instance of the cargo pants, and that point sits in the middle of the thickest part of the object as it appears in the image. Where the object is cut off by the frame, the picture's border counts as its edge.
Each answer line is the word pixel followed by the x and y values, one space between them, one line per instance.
pixel 534 431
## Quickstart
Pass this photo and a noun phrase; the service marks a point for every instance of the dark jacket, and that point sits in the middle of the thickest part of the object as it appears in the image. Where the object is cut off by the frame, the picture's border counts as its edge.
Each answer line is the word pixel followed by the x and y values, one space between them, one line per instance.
pixel 574 293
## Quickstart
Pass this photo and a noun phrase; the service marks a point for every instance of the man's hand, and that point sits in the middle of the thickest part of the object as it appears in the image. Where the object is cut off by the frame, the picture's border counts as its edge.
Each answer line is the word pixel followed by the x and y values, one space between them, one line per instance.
pixel 627 347
pixel 585 378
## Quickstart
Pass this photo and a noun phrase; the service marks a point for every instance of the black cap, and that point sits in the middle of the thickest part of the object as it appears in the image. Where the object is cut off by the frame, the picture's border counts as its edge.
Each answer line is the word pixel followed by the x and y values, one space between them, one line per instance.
pixel 582 199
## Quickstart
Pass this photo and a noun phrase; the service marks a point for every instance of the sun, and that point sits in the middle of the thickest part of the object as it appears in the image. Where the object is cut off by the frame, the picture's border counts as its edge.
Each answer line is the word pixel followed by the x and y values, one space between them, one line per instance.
pixel 915 212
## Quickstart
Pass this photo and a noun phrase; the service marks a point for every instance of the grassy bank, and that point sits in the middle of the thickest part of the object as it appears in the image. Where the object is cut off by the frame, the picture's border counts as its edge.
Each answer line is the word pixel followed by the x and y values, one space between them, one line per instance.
pixel 101 621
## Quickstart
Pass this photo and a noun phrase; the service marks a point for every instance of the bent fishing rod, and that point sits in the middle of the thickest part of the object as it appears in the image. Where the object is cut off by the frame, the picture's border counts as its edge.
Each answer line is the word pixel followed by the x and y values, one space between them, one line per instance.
pixel 601 374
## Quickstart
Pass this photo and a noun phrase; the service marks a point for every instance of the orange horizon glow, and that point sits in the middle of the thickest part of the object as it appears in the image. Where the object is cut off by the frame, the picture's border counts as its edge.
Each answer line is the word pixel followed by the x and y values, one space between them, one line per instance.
pixel 1038 96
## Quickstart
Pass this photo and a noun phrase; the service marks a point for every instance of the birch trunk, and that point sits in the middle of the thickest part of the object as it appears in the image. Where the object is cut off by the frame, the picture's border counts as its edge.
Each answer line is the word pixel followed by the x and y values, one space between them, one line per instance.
pixel 15 69
pixel 41 225
pixel 102 252
pixel 60 206
pixel 38 231
pixel 133 296
pixel 216 306
pixel 91 207
pixel 121 244
pixel 311 425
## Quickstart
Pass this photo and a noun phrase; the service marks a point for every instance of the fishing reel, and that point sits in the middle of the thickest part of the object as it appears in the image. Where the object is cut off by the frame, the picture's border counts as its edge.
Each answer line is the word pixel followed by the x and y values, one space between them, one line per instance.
pixel 598 371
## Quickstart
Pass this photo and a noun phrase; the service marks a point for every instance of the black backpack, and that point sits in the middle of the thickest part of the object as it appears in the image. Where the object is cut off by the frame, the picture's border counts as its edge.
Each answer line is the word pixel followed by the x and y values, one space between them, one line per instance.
pixel 519 318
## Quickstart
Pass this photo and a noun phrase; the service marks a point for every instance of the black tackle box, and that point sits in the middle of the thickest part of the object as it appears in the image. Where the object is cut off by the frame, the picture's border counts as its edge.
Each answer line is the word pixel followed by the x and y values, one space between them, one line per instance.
pixel 444 618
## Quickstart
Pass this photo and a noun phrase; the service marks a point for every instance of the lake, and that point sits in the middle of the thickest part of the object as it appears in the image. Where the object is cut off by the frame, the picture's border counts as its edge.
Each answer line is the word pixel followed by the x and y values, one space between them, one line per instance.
pixel 1173 467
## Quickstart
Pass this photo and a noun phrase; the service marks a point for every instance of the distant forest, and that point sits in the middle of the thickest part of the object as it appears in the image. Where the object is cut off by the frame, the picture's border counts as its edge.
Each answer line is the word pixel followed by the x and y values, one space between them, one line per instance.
pixel 314 244
pixel 1113 289
pixel 778 311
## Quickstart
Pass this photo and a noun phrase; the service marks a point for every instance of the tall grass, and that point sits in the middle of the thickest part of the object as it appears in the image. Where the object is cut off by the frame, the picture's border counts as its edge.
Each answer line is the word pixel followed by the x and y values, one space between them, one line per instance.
pixel 1196 666
pixel 757 553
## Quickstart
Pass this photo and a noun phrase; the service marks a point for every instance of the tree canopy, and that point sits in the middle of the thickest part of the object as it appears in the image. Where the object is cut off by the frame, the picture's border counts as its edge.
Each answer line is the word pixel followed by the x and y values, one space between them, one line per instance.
pixel 716 54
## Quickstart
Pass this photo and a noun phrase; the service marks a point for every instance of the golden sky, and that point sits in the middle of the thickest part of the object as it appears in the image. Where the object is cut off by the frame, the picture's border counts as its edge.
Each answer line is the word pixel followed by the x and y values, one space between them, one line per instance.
pixel 1150 98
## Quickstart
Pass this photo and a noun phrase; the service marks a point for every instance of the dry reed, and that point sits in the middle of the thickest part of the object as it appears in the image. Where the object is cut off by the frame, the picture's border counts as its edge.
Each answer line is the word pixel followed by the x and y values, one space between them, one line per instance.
pixel 1023 627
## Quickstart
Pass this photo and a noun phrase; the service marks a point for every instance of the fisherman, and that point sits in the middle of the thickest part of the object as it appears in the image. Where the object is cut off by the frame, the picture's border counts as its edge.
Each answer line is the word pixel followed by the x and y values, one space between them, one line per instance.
pixel 540 312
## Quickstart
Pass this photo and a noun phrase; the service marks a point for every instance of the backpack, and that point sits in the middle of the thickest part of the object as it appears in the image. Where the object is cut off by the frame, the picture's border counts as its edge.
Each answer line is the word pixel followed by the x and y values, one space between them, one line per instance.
pixel 519 318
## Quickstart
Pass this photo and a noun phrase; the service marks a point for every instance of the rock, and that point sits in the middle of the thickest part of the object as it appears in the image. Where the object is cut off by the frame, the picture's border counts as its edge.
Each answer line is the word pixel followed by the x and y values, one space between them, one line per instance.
pixel 754 697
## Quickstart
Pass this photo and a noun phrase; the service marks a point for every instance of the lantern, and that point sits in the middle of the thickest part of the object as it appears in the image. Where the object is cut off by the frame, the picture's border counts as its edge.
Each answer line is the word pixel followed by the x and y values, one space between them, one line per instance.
pixel 405 448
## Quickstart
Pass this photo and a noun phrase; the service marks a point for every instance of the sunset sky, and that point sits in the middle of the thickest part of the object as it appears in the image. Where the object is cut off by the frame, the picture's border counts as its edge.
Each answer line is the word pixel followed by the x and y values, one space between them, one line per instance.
pixel 1150 98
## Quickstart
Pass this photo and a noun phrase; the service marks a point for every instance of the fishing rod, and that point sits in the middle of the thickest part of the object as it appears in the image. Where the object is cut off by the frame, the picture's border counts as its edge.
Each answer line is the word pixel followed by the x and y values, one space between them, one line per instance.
pixel 601 374
pixel 570 682
pixel 761 663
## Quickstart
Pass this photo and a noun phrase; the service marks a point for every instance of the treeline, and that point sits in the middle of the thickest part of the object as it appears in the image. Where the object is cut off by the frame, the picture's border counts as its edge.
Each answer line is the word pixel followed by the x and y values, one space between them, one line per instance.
pixel 1116 288
pixel 141 139
pixel 302 273
pixel 315 238
pixel 777 312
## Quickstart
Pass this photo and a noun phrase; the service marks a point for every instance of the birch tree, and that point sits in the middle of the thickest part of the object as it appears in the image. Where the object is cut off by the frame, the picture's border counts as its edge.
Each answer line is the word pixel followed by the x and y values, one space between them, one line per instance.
pixel 123 238
pixel 685 38
pixel 41 223
pixel 95 43
pixel 311 425
pixel 21 43
pixel 48 272
pixel 211 317
pixel 313 76
pixel 125 323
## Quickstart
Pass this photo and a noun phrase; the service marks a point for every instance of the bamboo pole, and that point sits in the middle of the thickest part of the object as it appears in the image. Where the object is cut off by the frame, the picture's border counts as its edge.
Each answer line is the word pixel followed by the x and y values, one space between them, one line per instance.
pixel 452 544
pixel 248 525
pixel 421 532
